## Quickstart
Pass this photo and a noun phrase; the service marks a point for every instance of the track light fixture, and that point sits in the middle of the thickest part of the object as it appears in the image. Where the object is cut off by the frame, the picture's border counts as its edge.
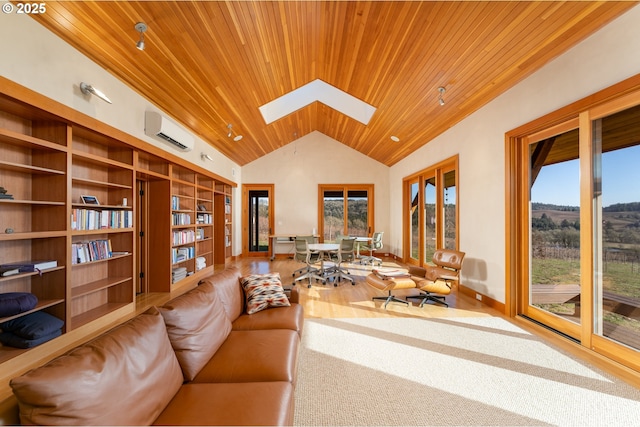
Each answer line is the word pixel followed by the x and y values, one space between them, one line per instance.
pixel 205 156
pixel 141 27
pixel 87 89
pixel 229 133
pixel 441 91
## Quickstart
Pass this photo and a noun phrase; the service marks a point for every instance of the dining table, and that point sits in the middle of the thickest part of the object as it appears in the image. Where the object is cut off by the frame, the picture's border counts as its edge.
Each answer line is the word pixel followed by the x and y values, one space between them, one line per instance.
pixel 323 250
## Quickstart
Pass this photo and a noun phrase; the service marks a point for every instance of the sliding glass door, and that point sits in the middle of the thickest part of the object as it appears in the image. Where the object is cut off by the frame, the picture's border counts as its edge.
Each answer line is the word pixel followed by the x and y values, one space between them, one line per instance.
pixel 553 294
pixel 431 211
pixel 616 227
pixel 430 217
pixel 573 243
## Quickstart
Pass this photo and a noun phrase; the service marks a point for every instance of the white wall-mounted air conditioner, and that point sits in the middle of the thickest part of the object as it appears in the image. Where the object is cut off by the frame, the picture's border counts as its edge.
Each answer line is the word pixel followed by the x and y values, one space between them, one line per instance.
pixel 158 126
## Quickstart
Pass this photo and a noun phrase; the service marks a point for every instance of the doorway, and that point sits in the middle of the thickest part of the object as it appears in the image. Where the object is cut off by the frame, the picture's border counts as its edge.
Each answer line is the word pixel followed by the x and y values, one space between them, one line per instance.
pixel 573 218
pixel 257 219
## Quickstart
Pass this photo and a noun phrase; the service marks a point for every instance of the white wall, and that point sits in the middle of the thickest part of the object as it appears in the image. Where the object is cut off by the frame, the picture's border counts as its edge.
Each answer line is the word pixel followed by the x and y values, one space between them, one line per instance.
pixel 296 170
pixel 607 57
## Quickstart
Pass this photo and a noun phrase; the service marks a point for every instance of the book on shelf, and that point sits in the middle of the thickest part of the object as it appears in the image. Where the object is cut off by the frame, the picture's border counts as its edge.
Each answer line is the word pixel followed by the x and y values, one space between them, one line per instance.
pixel 30 266
pixel 4 272
pixel 94 250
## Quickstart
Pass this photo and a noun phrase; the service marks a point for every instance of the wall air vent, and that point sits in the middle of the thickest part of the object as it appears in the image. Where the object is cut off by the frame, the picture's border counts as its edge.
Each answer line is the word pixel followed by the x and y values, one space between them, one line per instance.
pixel 160 127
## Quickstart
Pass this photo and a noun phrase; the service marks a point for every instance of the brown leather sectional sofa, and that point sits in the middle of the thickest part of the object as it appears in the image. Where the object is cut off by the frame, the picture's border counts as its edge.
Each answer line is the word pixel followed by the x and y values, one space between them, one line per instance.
pixel 197 360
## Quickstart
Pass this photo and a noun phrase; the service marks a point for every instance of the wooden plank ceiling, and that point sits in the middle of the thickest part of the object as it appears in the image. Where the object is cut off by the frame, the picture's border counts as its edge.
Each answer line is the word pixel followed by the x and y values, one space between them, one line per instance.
pixel 212 63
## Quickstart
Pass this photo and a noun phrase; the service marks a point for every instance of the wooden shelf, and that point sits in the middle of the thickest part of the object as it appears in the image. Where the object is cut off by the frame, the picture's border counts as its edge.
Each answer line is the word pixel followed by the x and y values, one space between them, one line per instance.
pixel 31 202
pixel 33 273
pixel 14 138
pixel 99 160
pixel 18 167
pixel 97 286
pixel 96 313
pixel 32 235
pixel 42 304
pixel 101 231
pixel 95 183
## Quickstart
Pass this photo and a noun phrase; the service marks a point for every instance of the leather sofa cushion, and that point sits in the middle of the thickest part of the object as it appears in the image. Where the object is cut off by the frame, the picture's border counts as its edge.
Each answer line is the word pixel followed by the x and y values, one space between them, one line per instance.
pixel 249 356
pixel 291 317
pixel 124 377
pixel 227 286
pixel 245 404
pixel 197 326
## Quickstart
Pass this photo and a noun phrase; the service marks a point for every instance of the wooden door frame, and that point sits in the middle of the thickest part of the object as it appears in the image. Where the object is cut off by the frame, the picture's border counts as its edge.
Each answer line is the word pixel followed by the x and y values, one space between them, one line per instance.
pixel 246 188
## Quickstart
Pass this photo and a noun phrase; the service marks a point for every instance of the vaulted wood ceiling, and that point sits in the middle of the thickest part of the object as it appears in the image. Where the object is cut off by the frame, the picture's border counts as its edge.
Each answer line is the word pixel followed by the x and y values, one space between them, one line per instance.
pixel 213 63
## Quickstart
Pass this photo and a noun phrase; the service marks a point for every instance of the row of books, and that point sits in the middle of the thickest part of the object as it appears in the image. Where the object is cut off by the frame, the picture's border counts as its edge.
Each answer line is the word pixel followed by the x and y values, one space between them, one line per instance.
pixel 181 218
pixel 90 219
pixel 183 236
pixel 175 203
pixel 200 235
pixel 178 274
pixel 182 254
pixel 203 218
pixel 93 250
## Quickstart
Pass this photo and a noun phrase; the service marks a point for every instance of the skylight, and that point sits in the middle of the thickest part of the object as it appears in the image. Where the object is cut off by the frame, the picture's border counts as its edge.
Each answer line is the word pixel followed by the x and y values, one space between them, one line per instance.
pixel 319 91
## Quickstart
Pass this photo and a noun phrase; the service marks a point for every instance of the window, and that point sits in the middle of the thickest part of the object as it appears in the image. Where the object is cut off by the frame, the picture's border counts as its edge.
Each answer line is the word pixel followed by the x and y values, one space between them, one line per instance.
pixel 345 210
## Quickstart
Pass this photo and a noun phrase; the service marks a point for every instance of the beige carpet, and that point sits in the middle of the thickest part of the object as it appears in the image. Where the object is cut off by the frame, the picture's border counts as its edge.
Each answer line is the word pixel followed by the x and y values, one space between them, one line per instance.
pixel 460 371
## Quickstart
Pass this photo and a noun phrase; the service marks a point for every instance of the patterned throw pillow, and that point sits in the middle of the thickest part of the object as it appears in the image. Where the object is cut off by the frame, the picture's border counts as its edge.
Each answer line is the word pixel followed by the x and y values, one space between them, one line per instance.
pixel 263 291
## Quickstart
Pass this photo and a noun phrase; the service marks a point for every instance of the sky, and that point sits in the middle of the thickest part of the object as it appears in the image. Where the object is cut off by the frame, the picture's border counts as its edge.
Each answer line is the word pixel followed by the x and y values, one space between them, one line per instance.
pixel 559 184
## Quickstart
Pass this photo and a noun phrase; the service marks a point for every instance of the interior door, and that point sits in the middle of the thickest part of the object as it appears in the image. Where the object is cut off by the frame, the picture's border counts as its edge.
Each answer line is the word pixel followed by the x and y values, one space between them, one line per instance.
pixel 142 219
pixel 257 219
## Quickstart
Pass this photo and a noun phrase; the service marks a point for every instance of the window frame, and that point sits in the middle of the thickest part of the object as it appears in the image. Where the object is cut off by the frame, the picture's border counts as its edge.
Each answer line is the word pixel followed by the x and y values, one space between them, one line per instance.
pixel 345 188
pixel 438 171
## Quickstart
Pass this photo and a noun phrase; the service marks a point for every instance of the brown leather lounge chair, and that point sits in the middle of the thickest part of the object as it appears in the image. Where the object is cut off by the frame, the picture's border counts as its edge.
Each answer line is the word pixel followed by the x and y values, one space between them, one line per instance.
pixel 435 281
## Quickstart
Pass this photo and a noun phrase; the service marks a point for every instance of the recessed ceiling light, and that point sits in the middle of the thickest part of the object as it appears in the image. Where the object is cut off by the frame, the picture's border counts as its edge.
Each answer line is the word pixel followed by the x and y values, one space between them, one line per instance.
pixel 237 138
pixel 395 138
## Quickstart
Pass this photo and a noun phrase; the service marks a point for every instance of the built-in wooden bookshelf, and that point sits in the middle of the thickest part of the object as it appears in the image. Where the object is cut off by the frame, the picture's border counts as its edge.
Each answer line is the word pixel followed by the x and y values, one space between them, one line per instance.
pixel 53 163
pixel 101 276
pixel 204 221
pixel 223 224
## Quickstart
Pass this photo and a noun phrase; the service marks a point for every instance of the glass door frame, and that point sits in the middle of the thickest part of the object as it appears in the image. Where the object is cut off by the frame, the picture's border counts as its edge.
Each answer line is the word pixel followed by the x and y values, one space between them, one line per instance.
pixel 524 306
pixel 438 171
pixel 621 96
pixel 246 190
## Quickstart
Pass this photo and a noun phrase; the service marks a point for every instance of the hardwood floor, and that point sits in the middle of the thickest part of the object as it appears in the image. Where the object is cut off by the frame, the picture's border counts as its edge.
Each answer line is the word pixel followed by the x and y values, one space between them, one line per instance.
pixel 348 301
